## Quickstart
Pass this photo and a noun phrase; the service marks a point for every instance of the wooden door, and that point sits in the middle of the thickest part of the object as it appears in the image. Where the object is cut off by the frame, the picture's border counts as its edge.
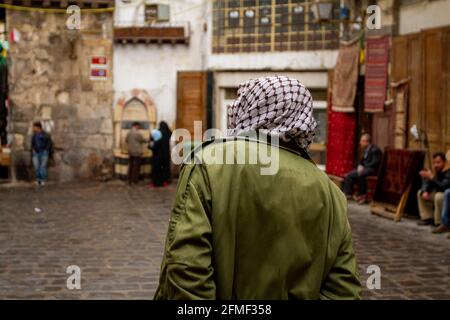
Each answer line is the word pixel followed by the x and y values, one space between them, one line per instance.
pixel 446 87
pixel 415 97
pixel 406 57
pixel 433 85
pixel 425 58
pixel 191 99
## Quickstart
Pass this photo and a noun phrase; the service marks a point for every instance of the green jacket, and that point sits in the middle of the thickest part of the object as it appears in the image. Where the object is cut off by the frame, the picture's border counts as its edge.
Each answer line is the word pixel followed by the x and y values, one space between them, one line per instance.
pixel 237 234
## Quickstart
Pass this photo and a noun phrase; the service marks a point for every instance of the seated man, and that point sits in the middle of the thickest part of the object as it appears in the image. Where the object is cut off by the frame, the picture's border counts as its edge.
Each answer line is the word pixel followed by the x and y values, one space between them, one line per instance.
pixel 445 220
pixel 430 196
pixel 368 166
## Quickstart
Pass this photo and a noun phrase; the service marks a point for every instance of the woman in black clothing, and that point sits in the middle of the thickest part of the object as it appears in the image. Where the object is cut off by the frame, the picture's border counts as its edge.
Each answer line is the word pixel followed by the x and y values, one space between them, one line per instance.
pixel 160 146
pixel 165 151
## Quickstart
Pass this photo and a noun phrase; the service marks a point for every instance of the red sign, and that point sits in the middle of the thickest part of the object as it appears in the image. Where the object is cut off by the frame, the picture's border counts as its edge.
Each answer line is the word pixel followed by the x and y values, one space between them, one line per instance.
pixel 98 60
pixel 99 68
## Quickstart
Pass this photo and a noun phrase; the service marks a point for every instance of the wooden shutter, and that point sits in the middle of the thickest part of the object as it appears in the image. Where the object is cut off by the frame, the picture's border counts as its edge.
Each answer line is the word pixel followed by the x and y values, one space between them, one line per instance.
pixel 415 104
pixel 446 88
pixel 425 58
pixel 191 99
pixel 433 85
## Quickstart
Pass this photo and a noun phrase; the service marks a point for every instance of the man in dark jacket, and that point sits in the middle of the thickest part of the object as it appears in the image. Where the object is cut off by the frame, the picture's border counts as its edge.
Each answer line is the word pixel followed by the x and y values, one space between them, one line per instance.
pixel 41 145
pixel 430 196
pixel 368 166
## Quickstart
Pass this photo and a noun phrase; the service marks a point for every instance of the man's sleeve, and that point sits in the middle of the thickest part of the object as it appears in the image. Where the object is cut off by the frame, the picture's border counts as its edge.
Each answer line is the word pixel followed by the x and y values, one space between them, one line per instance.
pixel 186 271
pixel 33 143
pixel 375 161
pixel 441 185
pixel 142 139
pixel 342 282
pixel 425 186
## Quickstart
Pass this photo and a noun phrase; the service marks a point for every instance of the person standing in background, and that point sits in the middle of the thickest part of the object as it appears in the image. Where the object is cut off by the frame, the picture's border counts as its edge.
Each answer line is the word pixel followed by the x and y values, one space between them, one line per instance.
pixel 135 141
pixel 165 152
pixel 156 146
pixel 41 145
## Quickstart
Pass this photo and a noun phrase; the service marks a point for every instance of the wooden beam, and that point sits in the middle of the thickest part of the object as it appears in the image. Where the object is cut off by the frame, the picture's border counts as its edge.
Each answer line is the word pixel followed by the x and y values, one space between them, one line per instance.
pixel 378 210
pixel 402 204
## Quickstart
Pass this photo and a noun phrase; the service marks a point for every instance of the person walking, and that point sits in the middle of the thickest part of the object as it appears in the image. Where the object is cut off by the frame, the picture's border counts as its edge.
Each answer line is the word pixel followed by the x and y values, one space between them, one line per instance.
pixel 135 142
pixel 41 148
pixel 237 234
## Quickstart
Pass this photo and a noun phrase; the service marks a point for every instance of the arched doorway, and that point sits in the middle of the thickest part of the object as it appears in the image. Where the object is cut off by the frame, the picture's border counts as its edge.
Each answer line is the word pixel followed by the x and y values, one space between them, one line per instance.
pixel 132 106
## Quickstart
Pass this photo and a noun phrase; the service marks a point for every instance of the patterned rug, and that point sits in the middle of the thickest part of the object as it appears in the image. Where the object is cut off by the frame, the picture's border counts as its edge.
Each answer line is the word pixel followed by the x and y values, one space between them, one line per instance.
pixel 399 169
pixel 341 142
pixel 345 78
pixel 376 74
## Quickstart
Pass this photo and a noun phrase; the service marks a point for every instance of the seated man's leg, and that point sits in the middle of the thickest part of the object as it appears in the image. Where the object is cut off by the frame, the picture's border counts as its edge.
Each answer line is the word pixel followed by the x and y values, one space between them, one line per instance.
pixel 362 185
pixel 349 181
pixel 438 206
pixel 425 209
pixel 438 201
pixel 446 209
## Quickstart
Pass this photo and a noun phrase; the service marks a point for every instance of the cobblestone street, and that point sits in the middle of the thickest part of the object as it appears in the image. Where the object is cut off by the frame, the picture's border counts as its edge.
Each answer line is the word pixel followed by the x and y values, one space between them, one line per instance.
pixel 115 234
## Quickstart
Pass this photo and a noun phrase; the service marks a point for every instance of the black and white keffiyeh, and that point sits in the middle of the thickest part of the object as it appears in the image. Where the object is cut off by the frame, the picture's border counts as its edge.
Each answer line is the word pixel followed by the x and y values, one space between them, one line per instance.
pixel 276 106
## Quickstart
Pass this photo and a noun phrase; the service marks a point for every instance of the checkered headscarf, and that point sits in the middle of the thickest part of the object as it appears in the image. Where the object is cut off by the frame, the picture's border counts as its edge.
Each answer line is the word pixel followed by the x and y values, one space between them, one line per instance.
pixel 278 106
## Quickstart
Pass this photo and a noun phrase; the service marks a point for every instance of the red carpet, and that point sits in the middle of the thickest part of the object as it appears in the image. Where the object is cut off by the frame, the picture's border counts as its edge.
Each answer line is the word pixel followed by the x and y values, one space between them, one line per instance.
pixel 340 145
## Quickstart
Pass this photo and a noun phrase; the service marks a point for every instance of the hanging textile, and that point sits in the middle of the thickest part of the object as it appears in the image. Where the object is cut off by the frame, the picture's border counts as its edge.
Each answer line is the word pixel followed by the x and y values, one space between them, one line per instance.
pixel 375 85
pixel 3 92
pixel 341 142
pixel 400 93
pixel 346 77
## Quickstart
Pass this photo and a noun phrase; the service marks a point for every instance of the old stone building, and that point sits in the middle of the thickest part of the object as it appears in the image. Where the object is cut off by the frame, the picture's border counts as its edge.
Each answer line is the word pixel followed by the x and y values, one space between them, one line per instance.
pixel 53 79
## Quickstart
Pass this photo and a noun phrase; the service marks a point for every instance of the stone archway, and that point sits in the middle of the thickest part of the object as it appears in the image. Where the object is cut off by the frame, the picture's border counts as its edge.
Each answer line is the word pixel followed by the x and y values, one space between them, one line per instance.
pixel 132 106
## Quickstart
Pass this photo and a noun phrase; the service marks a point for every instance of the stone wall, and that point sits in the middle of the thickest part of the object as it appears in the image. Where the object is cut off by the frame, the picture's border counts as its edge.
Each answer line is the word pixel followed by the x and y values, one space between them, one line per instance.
pixel 47 85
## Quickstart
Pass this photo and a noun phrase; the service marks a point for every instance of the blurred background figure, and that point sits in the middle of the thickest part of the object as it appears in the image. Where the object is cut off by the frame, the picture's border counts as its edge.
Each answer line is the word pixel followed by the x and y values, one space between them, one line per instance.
pixel 41 145
pixel 135 142
pixel 444 222
pixel 165 152
pixel 430 196
pixel 157 158
pixel 368 166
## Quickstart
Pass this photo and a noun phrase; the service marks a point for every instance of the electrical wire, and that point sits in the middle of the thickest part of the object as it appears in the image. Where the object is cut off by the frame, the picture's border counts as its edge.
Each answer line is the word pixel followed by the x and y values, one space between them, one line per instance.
pixel 53 10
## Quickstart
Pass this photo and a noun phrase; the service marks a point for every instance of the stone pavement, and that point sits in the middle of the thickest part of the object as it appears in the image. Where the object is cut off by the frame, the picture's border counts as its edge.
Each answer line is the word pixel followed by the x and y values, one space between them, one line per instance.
pixel 115 234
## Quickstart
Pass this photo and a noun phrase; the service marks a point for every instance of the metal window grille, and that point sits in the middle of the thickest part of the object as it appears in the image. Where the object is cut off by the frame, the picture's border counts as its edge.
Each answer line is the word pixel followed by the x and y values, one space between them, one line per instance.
pixel 270 26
